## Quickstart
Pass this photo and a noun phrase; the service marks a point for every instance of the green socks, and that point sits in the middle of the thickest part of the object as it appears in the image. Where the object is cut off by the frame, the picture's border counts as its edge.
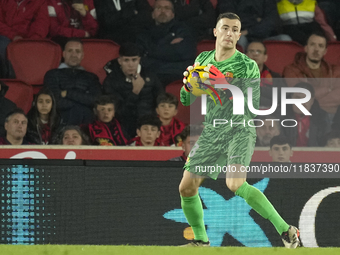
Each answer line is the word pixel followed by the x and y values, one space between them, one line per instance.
pixel 258 201
pixel 193 211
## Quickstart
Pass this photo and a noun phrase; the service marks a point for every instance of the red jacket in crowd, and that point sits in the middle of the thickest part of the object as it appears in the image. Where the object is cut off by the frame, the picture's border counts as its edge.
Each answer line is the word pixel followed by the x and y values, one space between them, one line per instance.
pixel 25 18
pixel 169 132
pixel 67 22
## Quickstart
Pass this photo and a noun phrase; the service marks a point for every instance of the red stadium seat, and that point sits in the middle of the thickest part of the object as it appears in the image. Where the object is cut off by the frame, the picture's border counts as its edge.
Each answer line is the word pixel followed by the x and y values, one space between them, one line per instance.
pixel 31 59
pixel 214 3
pixel 151 2
pixel 184 113
pixel 281 53
pixel 20 93
pixel 97 53
pixel 333 53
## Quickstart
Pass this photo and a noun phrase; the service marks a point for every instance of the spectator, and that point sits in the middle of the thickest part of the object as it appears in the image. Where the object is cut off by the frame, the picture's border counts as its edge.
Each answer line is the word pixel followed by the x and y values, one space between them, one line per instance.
pixel 121 20
pixel 188 137
pixel 310 65
pixel 331 9
pixel 169 47
pixel 106 129
pixel 257 51
pixel 167 109
pixel 300 18
pixel 269 129
pixel 198 15
pixel 72 135
pixel 260 19
pixel 135 88
pixel 148 130
pixel 310 130
pixel 333 139
pixel 6 106
pixel 21 20
pixel 72 18
pixel 16 127
pixel 74 88
pixel 44 122
pixel 280 149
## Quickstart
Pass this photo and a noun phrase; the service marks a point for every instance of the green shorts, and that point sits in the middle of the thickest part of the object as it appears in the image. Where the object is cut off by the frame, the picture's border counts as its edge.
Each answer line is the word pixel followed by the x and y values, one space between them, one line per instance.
pixel 213 152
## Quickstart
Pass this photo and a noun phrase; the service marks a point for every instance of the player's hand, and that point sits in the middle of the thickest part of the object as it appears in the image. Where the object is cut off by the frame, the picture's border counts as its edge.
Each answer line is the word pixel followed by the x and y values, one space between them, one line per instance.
pixel 186 73
pixel 213 74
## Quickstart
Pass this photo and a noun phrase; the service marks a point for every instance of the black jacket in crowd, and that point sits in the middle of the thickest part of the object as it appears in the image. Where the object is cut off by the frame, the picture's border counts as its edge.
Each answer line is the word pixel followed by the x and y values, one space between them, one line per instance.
pixel 6 106
pixel 122 25
pixel 259 17
pixel 82 87
pixel 198 15
pixel 317 129
pixel 131 106
pixel 161 56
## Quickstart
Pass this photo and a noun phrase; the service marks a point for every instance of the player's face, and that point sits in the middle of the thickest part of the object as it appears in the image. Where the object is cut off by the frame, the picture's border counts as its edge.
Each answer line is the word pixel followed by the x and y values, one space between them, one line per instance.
pixel 166 111
pixel 316 48
pixel 307 105
pixel 281 153
pixel 16 126
pixel 44 104
pixel 72 137
pixel 105 113
pixel 148 134
pixel 333 143
pixel 256 51
pixel 267 132
pixel 163 12
pixel 73 54
pixel 129 65
pixel 189 143
pixel 227 32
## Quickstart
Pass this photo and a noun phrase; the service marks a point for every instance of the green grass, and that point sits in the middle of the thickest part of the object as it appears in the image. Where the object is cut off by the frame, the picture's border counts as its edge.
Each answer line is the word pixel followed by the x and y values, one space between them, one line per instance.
pixel 154 250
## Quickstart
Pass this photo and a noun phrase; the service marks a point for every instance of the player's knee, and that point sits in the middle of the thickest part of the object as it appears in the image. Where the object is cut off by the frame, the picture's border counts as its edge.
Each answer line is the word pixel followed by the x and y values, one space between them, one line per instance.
pixel 187 192
pixel 233 184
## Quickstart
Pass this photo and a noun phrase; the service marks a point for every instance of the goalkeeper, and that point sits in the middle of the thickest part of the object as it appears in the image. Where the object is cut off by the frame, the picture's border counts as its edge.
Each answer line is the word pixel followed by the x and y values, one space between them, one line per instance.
pixel 226 145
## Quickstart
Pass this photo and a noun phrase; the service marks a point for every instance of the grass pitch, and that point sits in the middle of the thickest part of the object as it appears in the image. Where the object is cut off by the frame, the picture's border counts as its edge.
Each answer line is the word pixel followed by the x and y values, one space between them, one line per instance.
pixel 154 250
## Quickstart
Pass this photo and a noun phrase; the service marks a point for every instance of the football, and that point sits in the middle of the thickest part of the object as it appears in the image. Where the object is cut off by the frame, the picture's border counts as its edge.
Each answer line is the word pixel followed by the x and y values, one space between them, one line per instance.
pixel 197 80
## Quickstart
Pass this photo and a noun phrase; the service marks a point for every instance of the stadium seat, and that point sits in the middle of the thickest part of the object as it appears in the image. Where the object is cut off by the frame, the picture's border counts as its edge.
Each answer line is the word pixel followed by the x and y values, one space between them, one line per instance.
pixel 97 53
pixel 281 53
pixel 151 2
pixel 214 3
pixel 184 111
pixel 333 53
pixel 31 59
pixel 20 93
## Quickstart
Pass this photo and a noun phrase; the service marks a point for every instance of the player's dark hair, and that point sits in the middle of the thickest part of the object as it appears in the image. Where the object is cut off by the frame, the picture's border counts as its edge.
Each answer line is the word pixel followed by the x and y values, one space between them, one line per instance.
pixel 306 85
pixel 261 42
pixel 103 100
pixel 167 98
pixel 191 130
pixel 15 111
pixel 73 39
pixel 227 15
pixel 149 119
pixel 318 33
pixel 129 49
pixel 84 138
pixel 280 140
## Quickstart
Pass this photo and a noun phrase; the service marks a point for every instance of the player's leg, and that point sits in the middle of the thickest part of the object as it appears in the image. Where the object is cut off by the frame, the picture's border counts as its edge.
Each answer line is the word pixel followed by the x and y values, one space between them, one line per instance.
pixel 240 151
pixel 192 205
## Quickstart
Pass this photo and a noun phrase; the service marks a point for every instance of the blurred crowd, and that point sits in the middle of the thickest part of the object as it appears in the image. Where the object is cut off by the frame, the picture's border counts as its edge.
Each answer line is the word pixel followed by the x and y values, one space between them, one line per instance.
pixel 158 40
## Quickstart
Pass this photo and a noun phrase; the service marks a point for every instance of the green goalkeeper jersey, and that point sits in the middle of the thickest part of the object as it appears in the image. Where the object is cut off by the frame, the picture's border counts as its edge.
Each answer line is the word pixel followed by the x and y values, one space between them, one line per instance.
pixel 245 74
